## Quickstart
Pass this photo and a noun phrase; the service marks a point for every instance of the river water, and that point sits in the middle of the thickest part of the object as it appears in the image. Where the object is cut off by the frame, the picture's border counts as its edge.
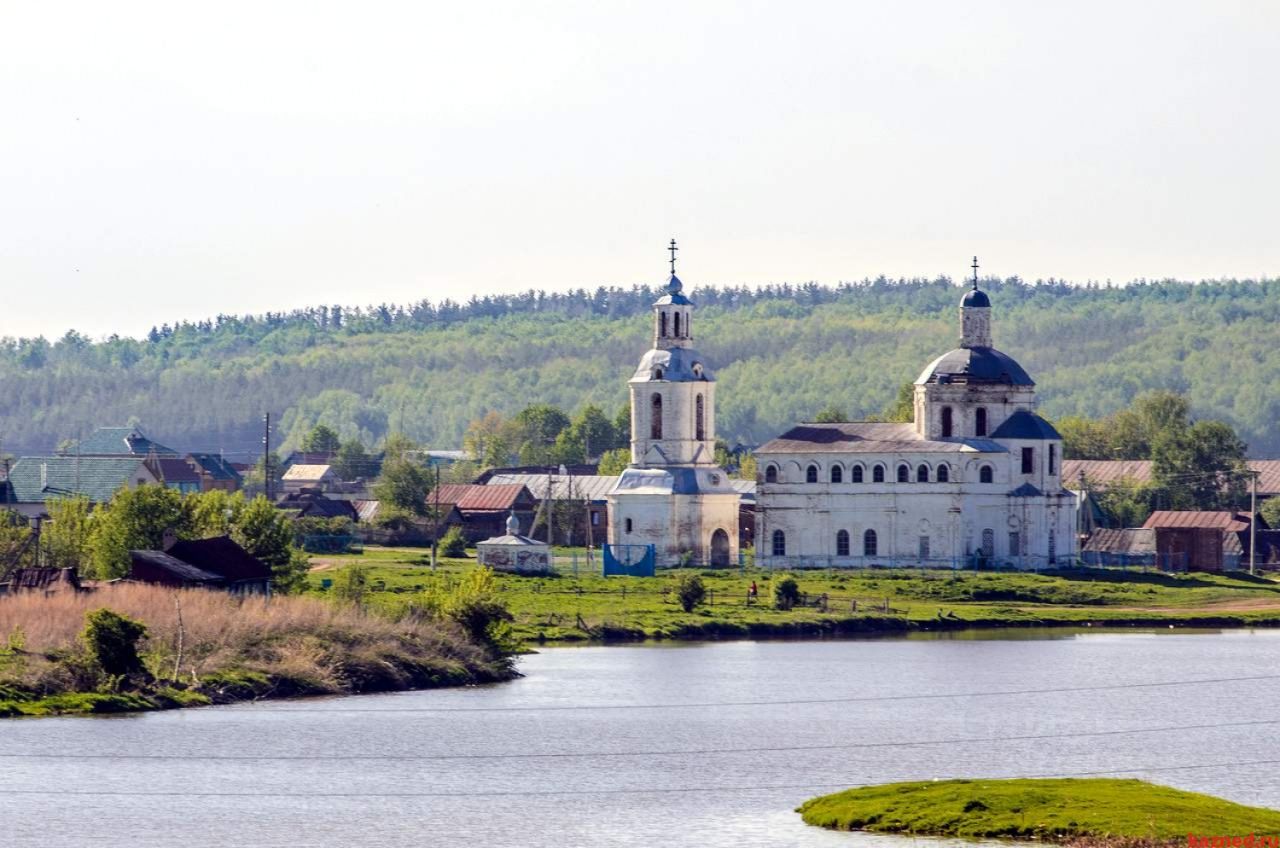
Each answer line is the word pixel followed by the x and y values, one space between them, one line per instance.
pixel 688 745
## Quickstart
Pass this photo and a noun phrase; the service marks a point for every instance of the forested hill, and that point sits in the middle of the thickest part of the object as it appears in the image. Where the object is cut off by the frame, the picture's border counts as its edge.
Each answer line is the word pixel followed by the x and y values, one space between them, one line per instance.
pixel 780 353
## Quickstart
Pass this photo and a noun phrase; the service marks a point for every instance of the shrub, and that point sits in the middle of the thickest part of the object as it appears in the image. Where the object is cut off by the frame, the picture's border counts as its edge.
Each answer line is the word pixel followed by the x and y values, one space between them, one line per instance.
pixel 112 642
pixel 350 583
pixel 691 592
pixel 786 594
pixel 452 543
pixel 475 606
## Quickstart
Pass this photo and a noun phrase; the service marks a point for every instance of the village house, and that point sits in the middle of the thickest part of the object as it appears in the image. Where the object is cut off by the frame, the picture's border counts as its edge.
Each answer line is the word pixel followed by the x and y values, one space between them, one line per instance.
pixel 34 480
pixel 483 509
pixel 315 477
pixel 215 472
pixel 975 478
pixel 42 581
pixel 1196 540
pixel 216 563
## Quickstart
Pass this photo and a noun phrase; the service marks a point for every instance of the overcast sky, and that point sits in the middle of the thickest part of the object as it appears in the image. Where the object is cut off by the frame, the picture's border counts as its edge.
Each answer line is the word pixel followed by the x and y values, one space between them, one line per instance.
pixel 177 160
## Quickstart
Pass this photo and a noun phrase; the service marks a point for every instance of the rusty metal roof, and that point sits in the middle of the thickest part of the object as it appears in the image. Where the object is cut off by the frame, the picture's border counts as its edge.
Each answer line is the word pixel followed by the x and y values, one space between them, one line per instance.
pixel 1106 472
pixel 473 496
pixel 1196 520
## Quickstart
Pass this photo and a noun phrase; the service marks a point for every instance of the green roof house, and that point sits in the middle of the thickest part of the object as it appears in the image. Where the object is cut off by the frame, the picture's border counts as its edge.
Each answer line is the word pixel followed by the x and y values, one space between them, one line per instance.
pixel 122 441
pixel 33 480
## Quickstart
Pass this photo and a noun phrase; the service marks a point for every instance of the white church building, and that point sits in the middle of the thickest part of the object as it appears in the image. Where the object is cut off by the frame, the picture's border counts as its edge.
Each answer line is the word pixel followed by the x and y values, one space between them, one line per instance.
pixel 673 495
pixel 976 478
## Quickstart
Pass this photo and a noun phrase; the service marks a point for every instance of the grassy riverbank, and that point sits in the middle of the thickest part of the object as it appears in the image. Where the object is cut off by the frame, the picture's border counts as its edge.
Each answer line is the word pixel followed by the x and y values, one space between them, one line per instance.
pixel 231 650
pixel 1100 811
pixel 590 607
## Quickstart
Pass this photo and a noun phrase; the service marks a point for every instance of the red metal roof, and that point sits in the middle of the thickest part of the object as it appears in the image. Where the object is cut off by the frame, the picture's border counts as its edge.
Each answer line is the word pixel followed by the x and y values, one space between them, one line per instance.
pixel 1197 519
pixel 1105 472
pixel 471 496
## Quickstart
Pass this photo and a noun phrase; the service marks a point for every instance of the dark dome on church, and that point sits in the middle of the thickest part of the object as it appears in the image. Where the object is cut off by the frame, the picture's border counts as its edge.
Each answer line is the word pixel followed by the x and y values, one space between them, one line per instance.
pixel 975 365
pixel 976 298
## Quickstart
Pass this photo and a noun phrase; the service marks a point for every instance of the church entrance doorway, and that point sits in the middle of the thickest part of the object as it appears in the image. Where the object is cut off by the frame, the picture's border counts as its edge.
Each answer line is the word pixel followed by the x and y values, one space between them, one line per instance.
pixel 720 549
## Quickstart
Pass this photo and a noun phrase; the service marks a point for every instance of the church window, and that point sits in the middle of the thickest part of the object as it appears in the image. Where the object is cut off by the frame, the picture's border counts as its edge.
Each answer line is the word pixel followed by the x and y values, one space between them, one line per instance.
pixel 986 475
pixel 1028 460
pixel 980 422
pixel 904 474
pixel 655 417
pixel 779 543
pixel 869 543
pixel 988 543
pixel 1053 547
pixel 675 319
pixel 700 426
pixel 771 474
pixel 877 474
pixel 1053 459
pixel 628 525
pixel 662 325
pixel 657 373
pixel 924 548
pixel 922 474
pixel 1015 543
pixel 811 474
pixel 842 543
pixel 944 475
pixel 855 474
pixel 946 422
pixel 837 474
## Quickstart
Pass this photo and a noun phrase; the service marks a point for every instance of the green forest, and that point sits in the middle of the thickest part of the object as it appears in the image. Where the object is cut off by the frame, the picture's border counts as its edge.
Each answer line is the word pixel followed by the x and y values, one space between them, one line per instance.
pixel 780 353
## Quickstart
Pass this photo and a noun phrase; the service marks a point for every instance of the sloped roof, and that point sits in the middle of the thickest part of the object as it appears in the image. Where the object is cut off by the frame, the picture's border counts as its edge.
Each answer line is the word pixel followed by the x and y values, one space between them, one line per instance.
pixel 173 470
pixel 869 437
pixel 478 497
pixel 216 466
pixel 1104 472
pixel 975 365
pixel 221 556
pixel 366 510
pixel 1128 541
pixel 121 441
pixel 1025 425
pixel 184 570
pixel 96 477
pixel 42 578
pixel 306 472
pixel 1197 519
pixel 588 488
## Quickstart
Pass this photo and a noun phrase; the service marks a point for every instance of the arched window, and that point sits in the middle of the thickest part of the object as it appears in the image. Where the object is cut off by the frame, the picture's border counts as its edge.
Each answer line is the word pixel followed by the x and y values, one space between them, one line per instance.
pixel 988 543
pixel 980 422
pixel 628 525
pixel 904 474
pixel 657 373
pixel 662 325
pixel 922 474
pixel 675 319
pixel 855 474
pixel 842 543
pixel 779 543
pixel 946 422
pixel 655 416
pixel 986 474
pixel 771 474
pixel 811 474
pixel 944 475
pixel 699 424
pixel 869 543
pixel 877 474
pixel 837 474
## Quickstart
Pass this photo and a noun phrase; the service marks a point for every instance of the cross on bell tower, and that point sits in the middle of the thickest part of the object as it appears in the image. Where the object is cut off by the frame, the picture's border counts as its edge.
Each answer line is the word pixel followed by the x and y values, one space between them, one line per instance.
pixel 673 250
pixel 975 272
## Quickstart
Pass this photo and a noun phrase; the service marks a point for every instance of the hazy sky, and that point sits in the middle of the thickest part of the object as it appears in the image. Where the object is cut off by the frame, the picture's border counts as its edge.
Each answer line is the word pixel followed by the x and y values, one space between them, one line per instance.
pixel 176 160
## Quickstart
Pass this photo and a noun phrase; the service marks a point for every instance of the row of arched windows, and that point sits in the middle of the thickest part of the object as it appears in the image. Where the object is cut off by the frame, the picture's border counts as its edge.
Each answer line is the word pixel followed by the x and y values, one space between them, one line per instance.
pixel 857 474
pixel 655 418
pixel 675 325
pixel 979 422
pixel 870 543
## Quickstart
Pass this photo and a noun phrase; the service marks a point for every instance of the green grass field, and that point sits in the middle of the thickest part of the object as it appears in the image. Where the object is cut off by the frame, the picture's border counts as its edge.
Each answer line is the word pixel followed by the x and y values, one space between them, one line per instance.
pixel 591 607
pixel 1104 810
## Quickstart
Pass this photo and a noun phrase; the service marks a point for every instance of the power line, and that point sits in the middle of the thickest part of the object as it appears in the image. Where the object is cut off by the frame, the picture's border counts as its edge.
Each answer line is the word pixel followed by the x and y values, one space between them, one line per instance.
pixel 787 702
pixel 535 793
pixel 687 752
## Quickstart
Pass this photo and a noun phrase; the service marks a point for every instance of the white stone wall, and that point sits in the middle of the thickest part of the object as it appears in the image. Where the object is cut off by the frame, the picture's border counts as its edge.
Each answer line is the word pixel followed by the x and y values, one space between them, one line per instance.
pixel 679 444
pixel 674 524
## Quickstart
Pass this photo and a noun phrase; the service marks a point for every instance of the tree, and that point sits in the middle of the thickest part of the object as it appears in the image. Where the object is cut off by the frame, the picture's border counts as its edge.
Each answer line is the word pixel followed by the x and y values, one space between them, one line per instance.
pixel 622 426
pixel 453 544
pixel 111 641
pixel 536 429
pixel 1083 438
pixel 490 440
pixel 590 434
pixel 403 486
pixel 65 536
pixel 903 408
pixel 831 414
pixel 352 460
pixel 267 533
pixel 1128 502
pixel 321 439
pixel 16 550
pixel 135 519
pixel 747 467
pixel 1201 467
pixel 690 592
pixel 786 594
pixel 215 513
pixel 1270 510
pixel 614 462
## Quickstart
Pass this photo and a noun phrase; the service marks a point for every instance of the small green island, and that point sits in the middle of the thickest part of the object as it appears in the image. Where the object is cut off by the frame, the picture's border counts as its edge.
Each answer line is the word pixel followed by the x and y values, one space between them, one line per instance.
pixel 1093 811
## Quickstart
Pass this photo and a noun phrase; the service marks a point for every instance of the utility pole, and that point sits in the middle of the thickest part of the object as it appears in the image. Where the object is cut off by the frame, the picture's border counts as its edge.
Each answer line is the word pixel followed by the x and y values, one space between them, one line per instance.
pixel 435 515
pixel 1253 519
pixel 266 454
